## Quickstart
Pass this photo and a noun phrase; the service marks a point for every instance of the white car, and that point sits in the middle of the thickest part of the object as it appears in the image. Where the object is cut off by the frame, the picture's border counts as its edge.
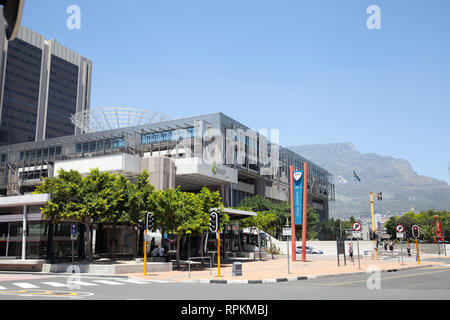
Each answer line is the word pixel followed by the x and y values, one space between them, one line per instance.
pixel 309 250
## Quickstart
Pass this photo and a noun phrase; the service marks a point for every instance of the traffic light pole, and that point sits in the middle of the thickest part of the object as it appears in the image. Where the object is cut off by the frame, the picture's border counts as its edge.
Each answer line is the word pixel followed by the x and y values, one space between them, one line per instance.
pixel 218 253
pixel 373 226
pixel 145 252
pixel 145 240
pixel 417 248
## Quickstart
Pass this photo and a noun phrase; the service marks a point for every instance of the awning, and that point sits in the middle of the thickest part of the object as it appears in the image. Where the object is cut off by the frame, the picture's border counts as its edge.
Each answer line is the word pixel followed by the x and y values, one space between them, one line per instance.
pixel 236 214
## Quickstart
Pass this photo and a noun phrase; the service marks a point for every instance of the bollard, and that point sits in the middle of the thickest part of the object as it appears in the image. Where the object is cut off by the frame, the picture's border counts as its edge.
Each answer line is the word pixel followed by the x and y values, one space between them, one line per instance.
pixel 237 269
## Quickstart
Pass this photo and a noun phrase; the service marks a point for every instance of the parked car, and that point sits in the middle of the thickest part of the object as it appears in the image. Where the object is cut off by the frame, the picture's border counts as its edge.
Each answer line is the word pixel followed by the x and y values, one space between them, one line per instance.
pixel 309 250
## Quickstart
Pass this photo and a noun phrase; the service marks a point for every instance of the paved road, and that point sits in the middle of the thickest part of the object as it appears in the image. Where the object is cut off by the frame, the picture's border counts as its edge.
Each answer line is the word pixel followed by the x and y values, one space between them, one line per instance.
pixel 422 283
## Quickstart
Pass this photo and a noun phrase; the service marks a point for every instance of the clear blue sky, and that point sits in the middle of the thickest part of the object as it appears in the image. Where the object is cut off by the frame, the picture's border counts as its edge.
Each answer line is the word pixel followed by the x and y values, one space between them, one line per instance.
pixel 310 68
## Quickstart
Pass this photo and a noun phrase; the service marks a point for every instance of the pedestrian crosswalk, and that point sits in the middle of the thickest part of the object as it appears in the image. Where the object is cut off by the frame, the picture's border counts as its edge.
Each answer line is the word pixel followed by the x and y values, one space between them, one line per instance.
pixel 69 283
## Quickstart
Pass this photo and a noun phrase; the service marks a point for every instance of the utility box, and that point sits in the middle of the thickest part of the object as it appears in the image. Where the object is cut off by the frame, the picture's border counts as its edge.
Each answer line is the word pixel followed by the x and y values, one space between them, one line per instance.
pixel 237 269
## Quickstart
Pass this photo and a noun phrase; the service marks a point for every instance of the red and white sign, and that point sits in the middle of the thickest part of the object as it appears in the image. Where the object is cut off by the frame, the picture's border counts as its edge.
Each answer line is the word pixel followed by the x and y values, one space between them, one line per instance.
pixel 400 228
pixel 356 226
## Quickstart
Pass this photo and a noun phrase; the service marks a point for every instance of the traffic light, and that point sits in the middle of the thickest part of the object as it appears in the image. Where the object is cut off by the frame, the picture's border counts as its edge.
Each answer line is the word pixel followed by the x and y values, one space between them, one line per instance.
pixel 213 222
pixel 380 196
pixel 415 231
pixel 150 221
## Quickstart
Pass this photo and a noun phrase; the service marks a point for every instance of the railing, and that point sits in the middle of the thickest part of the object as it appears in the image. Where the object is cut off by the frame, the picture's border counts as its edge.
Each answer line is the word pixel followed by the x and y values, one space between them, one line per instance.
pixel 198 258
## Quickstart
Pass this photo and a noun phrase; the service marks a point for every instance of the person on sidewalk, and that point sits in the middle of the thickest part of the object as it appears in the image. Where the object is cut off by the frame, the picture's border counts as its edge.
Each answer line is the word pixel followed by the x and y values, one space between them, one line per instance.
pixel 408 248
pixel 391 246
pixel 350 251
pixel 155 252
pixel 152 244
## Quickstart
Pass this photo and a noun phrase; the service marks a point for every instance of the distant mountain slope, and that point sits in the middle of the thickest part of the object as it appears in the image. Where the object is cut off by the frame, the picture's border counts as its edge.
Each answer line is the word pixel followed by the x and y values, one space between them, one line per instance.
pixel 402 187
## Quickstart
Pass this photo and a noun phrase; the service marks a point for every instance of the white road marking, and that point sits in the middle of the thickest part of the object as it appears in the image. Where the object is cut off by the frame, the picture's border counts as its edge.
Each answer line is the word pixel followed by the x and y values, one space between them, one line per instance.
pixel 25 285
pixel 2 288
pixel 133 281
pixel 82 283
pixel 56 284
pixel 113 283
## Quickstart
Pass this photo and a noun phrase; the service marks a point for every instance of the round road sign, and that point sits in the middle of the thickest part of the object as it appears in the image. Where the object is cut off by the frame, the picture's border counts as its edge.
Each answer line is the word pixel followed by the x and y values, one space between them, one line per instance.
pixel 400 228
pixel 356 226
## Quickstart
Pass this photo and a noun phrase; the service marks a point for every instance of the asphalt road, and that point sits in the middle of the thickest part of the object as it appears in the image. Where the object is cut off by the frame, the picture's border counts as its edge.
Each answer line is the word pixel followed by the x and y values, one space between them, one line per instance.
pixel 420 283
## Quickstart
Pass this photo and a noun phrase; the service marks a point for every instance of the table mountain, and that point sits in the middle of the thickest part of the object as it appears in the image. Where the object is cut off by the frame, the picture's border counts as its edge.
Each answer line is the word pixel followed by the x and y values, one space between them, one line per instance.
pixel 402 188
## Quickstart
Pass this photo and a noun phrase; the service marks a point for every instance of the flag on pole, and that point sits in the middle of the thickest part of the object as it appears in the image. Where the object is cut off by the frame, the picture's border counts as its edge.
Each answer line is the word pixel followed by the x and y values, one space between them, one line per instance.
pixel 356 176
pixel 342 180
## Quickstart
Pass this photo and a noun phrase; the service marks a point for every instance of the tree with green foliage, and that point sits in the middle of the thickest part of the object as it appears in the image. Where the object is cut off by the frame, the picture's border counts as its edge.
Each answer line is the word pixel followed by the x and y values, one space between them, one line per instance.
pixel 425 221
pixel 86 199
pixel 281 210
pixel 210 200
pixel 262 221
pixel 184 213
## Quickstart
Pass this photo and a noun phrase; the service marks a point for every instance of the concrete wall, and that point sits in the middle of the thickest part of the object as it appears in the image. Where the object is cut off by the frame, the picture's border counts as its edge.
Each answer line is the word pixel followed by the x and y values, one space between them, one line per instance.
pixel 162 171
pixel 111 269
pixel 121 163
pixel 329 247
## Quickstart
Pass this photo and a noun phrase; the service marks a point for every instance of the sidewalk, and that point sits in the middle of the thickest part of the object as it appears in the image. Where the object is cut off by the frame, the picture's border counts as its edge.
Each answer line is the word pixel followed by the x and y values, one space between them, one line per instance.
pixel 271 270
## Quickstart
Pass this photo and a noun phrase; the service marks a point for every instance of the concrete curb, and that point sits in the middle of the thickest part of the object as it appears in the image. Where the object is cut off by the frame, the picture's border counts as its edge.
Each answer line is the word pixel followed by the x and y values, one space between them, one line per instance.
pixel 92 275
pixel 276 280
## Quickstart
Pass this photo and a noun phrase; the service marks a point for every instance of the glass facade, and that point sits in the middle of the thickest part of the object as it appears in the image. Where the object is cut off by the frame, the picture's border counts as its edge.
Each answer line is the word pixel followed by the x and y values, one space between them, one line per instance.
pixel 62 98
pixel 37 240
pixel 21 93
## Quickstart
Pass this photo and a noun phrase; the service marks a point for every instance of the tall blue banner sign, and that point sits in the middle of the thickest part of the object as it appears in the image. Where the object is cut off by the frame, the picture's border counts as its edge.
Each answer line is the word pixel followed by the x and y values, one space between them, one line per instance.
pixel 298 197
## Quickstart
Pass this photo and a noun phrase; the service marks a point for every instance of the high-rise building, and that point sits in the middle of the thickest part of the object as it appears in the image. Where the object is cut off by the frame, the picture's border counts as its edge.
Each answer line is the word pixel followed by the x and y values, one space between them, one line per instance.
pixel 42 83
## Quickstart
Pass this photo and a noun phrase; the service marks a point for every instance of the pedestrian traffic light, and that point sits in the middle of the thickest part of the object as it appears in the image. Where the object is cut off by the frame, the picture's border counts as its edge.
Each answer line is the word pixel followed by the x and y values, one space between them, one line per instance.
pixel 379 196
pixel 213 222
pixel 415 231
pixel 150 221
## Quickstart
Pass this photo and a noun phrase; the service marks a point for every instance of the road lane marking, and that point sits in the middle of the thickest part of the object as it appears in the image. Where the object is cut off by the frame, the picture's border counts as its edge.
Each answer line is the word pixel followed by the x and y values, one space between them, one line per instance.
pixel 386 278
pixel 48 293
pixel 25 285
pixel 82 283
pixel 56 284
pixel 113 283
pixel 133 281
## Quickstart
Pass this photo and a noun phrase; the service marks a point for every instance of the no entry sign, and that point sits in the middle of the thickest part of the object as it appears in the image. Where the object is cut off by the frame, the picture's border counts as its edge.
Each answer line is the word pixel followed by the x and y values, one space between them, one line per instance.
pixel 356 226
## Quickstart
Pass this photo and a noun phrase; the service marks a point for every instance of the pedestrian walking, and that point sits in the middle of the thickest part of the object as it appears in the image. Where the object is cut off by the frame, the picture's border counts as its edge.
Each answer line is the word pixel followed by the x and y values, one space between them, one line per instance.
pixel 385 245
pixel 408 248
pixel 391 246
pixel 350 251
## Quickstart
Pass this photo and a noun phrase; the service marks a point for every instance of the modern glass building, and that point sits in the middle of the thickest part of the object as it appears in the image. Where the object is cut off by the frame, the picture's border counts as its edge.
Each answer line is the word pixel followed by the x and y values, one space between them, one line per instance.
pixel 42 83
pixel 211 150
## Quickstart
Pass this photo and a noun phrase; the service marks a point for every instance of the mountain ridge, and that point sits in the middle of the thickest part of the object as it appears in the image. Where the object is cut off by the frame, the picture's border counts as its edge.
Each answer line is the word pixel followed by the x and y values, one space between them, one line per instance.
pixel 402 187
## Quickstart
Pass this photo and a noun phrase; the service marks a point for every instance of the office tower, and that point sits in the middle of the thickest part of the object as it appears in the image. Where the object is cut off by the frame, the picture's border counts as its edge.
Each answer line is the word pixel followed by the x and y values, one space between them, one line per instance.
pixel 42 84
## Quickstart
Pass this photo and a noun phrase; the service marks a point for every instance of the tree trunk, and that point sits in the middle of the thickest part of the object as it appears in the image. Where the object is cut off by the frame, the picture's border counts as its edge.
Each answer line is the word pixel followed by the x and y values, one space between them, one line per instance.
pixel 178 249
pixel 271 247
pixel 189 246
pixel 259 244
pixel 87 223
pixel 202 241
pixel 113 236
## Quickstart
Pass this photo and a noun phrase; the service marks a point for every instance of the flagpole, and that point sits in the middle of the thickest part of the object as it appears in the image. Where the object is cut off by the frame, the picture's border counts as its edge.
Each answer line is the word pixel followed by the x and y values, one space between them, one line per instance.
pixel 291 170
pixel 305 200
